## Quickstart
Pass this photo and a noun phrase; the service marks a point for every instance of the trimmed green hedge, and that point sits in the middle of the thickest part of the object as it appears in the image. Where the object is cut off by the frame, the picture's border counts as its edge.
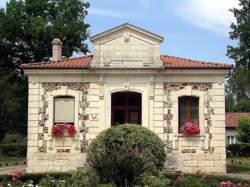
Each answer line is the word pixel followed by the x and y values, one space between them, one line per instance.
pixel 13 150
pixel 240 149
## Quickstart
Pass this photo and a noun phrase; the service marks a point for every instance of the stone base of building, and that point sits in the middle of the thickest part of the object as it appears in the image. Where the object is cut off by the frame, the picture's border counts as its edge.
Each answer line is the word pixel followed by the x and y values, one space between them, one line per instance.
pixel 197 162
pixel 188 162
pixel 55 162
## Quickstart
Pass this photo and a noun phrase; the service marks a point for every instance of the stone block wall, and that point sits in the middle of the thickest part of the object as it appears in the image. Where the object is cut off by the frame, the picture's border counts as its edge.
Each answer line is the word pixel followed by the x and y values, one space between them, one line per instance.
pixel 204 152
pixel 49 154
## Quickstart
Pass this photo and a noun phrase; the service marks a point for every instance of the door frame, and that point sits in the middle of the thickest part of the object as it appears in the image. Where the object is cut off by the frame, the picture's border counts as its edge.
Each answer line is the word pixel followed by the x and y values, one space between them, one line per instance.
pixel 126 107
pixel 106 115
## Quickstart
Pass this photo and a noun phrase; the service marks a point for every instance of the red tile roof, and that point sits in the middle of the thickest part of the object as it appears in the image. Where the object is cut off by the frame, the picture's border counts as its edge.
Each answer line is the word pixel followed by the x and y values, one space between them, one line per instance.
pixel 232 118
pixel 71 63
pixel 171 62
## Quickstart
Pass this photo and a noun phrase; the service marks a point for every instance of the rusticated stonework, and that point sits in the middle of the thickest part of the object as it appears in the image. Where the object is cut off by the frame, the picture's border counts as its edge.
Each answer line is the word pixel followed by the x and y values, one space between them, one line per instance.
pixel 210 112
pixel 42 123
pixel 169 88
pixel 84 117
pixel 83 103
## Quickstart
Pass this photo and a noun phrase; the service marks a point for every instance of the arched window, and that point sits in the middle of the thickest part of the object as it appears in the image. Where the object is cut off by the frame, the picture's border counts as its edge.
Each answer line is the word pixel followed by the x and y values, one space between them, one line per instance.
pixel 188 110
pixel 64 110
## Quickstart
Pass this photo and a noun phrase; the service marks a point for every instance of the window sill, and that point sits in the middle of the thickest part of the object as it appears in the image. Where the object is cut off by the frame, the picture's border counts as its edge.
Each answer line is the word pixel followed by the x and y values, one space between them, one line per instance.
pixel 64 136
pixel 195 135
pixel 64 123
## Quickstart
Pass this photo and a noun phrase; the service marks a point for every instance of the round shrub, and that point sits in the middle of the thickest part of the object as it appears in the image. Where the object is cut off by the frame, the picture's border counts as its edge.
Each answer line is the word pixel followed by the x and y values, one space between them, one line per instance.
pixel 121 153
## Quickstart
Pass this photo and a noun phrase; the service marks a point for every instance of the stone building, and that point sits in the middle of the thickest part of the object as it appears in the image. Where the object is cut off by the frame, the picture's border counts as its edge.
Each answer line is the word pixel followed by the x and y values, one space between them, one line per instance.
pixel 126 80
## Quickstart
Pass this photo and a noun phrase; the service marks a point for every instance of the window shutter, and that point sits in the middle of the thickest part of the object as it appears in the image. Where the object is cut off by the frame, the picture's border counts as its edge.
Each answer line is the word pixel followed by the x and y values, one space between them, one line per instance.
pixel 64 110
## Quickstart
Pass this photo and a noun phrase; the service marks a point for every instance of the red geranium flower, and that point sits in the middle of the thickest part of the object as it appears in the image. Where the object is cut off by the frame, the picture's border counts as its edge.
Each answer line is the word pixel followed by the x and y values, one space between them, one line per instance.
pixel 57 130
pixel 190 128
pixel 71 130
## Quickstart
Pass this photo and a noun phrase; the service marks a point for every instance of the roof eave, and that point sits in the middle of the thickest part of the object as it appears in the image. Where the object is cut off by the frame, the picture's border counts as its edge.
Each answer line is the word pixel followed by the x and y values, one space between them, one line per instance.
pixel 199 68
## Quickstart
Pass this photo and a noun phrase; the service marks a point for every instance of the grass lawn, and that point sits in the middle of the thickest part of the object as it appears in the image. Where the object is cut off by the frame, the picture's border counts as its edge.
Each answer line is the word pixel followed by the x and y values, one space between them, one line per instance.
pixel 238 165
pixel 11 161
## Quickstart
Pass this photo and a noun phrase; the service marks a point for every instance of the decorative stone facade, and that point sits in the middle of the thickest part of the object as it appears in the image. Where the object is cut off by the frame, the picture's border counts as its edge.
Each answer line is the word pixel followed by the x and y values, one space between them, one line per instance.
pixel 197 152
pixel 160 89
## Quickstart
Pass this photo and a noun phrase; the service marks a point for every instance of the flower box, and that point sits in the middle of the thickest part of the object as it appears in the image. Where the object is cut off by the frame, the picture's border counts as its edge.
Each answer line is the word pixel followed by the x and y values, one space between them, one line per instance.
pixel 189 128
pixel 59 130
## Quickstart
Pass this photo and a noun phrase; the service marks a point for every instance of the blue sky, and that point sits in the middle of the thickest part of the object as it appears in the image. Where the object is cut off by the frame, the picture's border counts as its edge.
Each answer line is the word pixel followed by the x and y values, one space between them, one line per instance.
pixel 196 29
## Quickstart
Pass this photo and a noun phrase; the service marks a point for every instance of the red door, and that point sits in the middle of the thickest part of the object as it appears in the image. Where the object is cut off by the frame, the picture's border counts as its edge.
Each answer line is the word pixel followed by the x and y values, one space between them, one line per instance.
pixel 126 108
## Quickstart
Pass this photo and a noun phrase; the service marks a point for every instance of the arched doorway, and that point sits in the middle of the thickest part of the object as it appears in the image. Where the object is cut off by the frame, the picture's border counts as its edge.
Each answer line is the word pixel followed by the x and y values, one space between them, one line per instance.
pixel 126 108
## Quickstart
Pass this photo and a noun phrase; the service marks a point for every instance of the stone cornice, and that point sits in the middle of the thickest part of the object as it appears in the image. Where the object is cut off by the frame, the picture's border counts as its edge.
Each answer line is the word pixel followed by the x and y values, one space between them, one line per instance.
pixel 124 71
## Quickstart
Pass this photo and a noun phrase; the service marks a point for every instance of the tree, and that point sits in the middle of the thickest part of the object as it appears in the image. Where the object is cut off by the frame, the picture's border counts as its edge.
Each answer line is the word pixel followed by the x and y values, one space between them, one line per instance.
pixel 238 83
pixel 122 153
pixel 243 131
pixel 27 28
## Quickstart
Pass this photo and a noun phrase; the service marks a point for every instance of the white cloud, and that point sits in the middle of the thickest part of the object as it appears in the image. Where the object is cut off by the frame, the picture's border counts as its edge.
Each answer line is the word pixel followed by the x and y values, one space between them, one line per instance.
pixel 108 13
pixel 213 15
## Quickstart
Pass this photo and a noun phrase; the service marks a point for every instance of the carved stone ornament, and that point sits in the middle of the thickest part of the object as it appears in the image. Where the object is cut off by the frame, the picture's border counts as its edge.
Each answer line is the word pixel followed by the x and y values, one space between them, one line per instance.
pixel 169 88
pixel 43 148
pixel 49 87
pixel 40 136
pixel 83 104
pixel 84 146
pixel 168 129
pixel 208 118
pixel 42 123
pixel 45 130
pixel 126 37
pixel 169 146
pixel 63 150
pixel 203 86
pixel 188 151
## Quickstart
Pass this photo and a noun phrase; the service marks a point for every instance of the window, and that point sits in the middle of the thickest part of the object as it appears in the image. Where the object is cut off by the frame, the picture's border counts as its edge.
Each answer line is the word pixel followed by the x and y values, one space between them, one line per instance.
pixel 231 140
pixel 188 110
pixel 64 109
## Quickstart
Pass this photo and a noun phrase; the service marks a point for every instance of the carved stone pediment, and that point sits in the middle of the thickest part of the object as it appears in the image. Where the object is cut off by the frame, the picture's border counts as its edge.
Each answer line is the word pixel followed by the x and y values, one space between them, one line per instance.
pixel 126 46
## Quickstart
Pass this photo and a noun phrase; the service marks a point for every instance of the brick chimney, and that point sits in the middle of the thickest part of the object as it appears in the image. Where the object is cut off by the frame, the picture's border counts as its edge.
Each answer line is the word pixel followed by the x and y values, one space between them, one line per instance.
pixel 56 49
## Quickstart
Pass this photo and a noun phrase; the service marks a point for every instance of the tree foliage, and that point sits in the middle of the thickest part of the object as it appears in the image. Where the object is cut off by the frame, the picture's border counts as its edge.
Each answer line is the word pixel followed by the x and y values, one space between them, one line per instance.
pixel 27 28
pixel 243 131
pixel 238 84
pixel 122 153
